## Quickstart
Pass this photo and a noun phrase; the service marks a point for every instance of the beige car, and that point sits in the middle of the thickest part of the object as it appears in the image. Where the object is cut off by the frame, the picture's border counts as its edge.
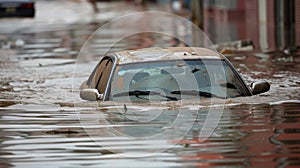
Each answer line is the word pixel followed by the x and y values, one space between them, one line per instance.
pixel 166 74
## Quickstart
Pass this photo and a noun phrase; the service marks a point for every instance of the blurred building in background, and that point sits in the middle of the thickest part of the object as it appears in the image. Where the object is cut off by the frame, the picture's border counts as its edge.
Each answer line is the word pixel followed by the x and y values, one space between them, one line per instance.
pixel 270 24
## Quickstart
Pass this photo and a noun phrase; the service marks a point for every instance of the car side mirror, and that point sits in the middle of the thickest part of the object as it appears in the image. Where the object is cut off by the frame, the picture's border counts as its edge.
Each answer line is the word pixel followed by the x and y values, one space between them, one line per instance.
pixel 84 85
pixel 260 87
pixel 90 94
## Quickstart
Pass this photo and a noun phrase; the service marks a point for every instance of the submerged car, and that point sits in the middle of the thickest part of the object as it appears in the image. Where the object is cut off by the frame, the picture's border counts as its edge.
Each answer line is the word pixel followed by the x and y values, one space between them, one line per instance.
pixel 166 74
pixel 19 8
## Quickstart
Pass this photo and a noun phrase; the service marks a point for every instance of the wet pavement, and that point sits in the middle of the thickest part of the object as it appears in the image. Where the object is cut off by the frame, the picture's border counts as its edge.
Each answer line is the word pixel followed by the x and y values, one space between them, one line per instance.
pixel 39 102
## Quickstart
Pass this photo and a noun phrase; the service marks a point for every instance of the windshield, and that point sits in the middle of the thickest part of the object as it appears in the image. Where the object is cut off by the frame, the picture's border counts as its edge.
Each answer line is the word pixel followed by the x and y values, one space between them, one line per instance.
pixel 175 80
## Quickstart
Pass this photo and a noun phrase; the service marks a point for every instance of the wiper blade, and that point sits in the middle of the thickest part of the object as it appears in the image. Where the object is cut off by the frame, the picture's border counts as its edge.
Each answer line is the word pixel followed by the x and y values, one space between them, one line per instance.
pixel 135 93
pixel 228 85
pixel 194 92
pixel 138 93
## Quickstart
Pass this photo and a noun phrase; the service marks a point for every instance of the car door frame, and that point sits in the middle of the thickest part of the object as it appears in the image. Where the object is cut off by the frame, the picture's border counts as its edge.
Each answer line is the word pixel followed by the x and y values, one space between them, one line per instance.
pixel 111 58
pixel 247 91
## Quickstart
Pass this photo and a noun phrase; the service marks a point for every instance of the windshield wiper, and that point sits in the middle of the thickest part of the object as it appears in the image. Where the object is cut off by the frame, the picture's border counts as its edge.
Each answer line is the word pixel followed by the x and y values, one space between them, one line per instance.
pixel 228 85
pixel 195 92
pixel 135 93
pixel 138 93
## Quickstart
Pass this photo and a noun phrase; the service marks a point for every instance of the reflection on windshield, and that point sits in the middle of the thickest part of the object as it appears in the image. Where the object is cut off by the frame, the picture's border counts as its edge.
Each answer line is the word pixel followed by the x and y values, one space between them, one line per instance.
pixel 175 80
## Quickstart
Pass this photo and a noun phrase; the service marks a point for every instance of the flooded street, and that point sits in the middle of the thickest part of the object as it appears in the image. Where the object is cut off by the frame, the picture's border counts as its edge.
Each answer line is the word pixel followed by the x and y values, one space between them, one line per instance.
pixel 44 123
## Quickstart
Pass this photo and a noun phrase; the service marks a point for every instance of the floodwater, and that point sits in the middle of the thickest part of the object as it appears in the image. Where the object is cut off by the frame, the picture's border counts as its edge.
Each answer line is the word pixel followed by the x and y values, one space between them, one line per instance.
pixel 43 122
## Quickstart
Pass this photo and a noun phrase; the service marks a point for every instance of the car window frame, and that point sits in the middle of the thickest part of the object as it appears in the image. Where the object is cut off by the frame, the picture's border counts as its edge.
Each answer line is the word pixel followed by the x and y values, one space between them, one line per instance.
pixel 245 89
pixel 109 58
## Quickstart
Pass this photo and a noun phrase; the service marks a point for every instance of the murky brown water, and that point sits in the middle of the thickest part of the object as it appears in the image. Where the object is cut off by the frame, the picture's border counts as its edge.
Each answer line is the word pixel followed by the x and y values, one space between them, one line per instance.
pixel 247 135
pixel 41 127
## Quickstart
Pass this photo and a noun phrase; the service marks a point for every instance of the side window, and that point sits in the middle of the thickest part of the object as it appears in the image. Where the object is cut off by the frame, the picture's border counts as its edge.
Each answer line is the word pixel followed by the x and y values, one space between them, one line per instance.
pixel 102 83
pixel 101 75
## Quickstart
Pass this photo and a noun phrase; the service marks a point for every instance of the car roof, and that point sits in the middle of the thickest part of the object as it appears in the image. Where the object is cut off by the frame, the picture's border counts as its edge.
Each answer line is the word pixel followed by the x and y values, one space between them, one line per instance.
pixel 162 54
